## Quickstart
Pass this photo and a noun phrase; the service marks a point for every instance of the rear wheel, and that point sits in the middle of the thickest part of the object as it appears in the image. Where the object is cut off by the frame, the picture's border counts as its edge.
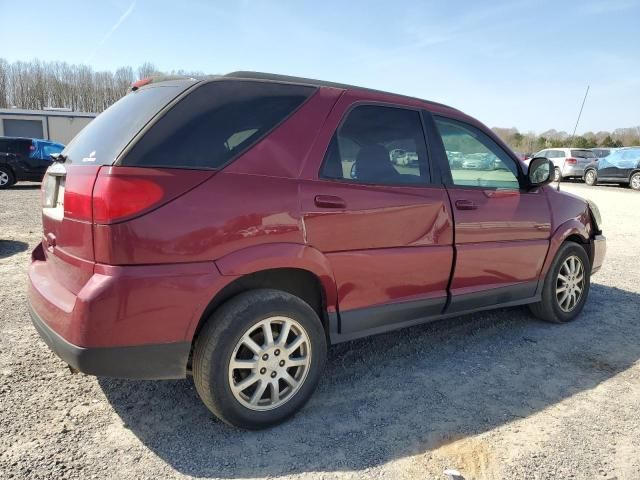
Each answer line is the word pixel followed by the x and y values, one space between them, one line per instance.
pixel 634 182
pixel 590 178
pixel 566 285
pixel 557 176
pixel 6 177
pixel 259 357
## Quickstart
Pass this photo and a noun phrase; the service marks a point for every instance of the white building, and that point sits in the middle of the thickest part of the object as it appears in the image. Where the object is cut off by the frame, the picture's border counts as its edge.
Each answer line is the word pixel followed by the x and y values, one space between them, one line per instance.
pixel 56 125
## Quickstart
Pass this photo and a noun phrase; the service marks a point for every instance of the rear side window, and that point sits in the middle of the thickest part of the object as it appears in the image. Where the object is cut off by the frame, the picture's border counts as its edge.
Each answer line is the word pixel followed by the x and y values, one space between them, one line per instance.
pixel 215 123
pixel 100 142
pixel 583 154
pixel 378 145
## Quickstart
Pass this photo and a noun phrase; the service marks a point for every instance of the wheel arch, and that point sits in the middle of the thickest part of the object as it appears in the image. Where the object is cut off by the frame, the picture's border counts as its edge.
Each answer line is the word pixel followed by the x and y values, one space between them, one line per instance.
pixel 587 170
pixel 570 231
pixel 633 172
pixel 296 269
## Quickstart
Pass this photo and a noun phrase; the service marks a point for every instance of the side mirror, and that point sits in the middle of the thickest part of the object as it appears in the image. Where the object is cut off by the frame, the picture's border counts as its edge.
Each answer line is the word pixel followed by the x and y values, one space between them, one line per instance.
pixel 540 169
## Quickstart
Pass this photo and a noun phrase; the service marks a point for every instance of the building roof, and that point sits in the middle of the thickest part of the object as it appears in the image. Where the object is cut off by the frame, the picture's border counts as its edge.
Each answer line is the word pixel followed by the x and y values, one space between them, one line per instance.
pixel 45 113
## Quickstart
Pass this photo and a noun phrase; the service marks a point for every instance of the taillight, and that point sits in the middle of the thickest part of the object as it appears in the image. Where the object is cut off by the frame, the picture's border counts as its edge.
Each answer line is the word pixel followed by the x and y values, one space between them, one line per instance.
pixel 121 193
pixel 76 188
pixel 571 161
pixel 118 197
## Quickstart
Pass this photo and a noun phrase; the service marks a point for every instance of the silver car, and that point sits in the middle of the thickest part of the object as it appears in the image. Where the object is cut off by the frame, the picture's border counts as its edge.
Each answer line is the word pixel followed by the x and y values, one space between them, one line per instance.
pixel 569 162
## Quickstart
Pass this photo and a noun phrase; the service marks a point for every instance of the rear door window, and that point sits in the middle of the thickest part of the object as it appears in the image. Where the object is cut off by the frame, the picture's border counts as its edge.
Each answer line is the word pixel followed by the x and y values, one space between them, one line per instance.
pixel 100 142
pixel 378 145
pixel 215 123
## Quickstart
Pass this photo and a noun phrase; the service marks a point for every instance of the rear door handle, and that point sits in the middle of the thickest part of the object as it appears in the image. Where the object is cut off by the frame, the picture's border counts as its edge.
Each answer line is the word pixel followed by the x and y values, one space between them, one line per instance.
pixel 329 201
pixel 466 205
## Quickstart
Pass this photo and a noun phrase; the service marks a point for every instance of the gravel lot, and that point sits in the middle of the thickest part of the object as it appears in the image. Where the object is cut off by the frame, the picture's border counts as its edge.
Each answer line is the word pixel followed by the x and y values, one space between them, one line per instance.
pixel 494 395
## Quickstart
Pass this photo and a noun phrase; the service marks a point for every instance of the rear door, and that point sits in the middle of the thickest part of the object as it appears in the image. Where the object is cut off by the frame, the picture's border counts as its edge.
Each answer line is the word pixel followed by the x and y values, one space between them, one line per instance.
pixel 383 222
pixel 501 231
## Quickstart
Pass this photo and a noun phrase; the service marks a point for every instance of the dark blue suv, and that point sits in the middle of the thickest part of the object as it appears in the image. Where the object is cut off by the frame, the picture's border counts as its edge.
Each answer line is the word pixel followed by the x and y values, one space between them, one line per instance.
pixel 25 159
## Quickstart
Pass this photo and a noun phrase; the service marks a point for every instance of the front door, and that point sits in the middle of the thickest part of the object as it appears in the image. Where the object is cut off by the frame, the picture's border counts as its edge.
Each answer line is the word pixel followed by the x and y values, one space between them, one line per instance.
pixel 501 231
pixel 383 223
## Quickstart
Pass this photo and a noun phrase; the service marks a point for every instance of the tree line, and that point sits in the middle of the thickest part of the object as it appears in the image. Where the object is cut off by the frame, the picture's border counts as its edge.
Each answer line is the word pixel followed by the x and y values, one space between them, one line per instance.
pixel 531 143
pixel 36 85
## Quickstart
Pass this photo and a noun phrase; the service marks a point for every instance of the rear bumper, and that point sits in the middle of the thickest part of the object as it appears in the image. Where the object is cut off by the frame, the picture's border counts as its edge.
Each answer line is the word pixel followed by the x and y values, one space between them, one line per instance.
pixel 599 248
pixel 128 321
pixel 573 171
pixel 160 361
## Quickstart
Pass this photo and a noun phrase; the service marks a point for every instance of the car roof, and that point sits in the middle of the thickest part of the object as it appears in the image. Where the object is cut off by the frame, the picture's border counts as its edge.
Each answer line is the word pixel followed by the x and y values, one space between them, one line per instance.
pixel 249 75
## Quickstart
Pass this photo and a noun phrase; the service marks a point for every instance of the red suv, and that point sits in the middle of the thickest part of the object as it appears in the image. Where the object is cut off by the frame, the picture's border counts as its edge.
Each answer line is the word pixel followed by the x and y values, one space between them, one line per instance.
pixel 232 228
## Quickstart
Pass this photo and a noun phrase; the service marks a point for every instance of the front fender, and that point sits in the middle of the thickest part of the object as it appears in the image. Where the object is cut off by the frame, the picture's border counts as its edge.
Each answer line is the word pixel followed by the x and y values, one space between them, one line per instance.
pixel 282 255
pixel 569 228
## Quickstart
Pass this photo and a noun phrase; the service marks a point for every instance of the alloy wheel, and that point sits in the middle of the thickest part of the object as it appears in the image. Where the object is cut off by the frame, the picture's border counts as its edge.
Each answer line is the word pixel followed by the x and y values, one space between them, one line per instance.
pixel 590 178
pixel 570 283
pixel 4 178
pixel 635 181
pixel 270 363
pixel 556 175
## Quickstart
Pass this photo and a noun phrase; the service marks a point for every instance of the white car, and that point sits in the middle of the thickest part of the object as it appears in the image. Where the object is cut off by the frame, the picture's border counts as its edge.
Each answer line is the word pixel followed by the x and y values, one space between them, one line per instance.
pixel 569 162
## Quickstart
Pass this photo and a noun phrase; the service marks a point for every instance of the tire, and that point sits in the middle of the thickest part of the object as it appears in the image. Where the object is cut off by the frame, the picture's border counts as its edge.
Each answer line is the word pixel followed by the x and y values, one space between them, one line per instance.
pixel 550 308
pixel 7 178
pixel 591 178
pixel 634 181
pixel 223 338
pixel 557 176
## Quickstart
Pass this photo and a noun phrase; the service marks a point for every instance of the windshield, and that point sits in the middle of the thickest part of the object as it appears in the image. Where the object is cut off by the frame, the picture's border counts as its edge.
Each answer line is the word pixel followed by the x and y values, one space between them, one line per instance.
pixel 100 142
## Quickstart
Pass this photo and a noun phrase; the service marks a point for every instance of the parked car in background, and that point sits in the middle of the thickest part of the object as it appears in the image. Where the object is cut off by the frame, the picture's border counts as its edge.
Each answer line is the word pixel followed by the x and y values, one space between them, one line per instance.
pixel 25 159
pixel 568 162
pixel 621 166
pixel 479 161
pixel 212 227
pixel 601 152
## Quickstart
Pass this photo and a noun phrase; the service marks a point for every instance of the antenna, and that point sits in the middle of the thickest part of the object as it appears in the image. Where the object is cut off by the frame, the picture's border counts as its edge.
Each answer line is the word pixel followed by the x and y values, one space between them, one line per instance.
pixel 574 130
pixel 580 114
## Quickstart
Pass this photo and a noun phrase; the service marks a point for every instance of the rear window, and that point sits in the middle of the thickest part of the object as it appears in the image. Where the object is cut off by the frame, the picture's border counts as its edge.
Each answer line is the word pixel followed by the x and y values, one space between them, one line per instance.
pixel 100 142
pixel 583 154
pixel 216 122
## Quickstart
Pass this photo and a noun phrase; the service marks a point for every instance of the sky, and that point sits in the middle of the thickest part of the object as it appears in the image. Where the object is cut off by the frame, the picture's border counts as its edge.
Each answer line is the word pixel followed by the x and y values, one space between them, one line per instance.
pixel 523 64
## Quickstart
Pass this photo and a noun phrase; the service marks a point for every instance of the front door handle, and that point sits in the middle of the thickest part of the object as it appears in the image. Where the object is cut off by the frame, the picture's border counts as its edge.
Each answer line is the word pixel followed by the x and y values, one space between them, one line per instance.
pixel 329 201
pixel 466 205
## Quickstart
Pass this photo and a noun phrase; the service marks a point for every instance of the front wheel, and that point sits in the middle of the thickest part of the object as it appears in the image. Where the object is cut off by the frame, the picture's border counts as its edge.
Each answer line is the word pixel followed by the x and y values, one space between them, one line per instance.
pixel 566 285
pixel 590 178
pixel 635 181
pixel 259 358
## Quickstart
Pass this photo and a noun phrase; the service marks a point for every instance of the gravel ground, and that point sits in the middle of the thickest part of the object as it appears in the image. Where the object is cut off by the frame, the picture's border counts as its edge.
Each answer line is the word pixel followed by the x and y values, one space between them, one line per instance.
pixel 494 395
